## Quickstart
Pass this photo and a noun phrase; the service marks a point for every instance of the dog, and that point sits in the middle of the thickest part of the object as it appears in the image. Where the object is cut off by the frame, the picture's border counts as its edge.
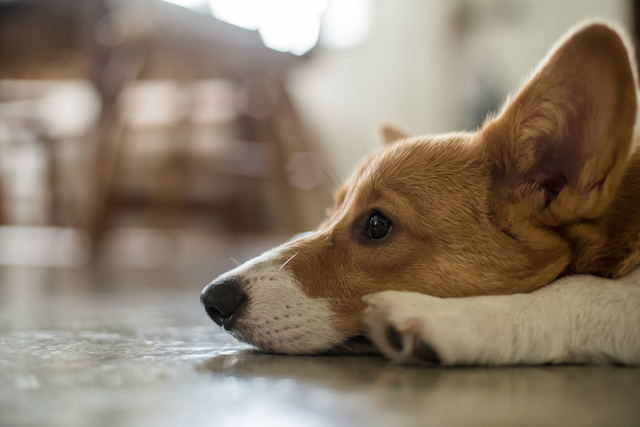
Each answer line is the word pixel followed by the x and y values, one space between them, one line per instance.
pixel 513 244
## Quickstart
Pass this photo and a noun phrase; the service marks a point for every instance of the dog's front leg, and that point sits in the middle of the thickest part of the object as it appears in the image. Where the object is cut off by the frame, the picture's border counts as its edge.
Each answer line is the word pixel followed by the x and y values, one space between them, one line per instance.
pixel 579 319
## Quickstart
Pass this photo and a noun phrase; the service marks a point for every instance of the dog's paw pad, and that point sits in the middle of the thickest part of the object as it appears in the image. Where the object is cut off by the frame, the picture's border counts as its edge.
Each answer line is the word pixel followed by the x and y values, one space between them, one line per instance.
pixel 425 352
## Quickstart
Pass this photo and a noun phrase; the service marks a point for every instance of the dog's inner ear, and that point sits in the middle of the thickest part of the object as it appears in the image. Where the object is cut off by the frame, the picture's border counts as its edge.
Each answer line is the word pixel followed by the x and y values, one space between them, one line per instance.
pixel 391 134
pixel 569 130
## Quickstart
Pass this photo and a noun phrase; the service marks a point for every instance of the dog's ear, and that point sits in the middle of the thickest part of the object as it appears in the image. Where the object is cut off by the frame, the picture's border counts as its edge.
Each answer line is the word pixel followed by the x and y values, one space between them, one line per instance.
pixel 563 141
pixel 391 134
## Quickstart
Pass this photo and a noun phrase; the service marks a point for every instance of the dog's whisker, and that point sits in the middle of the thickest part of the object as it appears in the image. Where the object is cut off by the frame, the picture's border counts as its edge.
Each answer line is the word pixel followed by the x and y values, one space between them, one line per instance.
pixel 234 260
pixel 367 149
pixel 324 170
pixel 285 263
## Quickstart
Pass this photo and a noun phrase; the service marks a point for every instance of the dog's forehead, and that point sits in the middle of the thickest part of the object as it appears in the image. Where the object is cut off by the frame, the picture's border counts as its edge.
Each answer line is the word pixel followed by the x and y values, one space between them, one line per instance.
pixel 415 164
pixel 429 177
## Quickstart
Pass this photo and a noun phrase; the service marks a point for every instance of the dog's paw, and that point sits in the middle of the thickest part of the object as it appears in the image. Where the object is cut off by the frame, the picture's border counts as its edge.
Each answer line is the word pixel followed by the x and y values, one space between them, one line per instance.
pixel 408 327
pixel 398 327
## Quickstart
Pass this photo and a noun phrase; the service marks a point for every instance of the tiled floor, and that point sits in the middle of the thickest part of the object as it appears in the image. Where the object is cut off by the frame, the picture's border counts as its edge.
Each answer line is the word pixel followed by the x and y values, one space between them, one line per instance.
pixel 132 347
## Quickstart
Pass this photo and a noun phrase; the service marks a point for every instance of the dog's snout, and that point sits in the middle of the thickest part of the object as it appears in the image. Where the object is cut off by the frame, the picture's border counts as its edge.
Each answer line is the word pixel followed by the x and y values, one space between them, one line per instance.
pixel 222 299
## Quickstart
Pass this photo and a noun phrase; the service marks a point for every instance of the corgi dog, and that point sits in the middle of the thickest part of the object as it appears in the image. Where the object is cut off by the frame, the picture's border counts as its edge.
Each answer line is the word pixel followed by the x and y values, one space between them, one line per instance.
pixel 513 244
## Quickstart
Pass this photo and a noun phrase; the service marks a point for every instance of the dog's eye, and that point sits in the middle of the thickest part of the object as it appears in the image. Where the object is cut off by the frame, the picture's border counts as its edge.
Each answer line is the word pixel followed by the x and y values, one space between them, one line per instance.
pixel 379 226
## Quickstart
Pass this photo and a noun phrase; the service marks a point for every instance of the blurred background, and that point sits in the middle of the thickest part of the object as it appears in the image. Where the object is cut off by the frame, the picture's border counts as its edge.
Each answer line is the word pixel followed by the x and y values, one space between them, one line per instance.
pixel 193 133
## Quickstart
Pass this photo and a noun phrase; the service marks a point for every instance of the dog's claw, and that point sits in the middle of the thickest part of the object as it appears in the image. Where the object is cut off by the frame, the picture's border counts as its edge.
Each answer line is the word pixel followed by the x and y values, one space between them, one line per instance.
pixel 395 338
pixel 425 352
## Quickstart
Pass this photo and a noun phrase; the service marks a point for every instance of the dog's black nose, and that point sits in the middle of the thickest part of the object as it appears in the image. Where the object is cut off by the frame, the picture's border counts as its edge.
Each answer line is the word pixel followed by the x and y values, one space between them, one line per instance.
pixel 222 299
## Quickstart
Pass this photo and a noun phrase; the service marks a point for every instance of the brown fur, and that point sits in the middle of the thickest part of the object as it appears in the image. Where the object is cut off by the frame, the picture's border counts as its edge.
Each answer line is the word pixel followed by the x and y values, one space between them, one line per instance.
pixel 542 190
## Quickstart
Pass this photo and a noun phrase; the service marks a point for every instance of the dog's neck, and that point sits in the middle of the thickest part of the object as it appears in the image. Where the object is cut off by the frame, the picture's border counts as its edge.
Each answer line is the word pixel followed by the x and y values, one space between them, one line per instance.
pixel 610 245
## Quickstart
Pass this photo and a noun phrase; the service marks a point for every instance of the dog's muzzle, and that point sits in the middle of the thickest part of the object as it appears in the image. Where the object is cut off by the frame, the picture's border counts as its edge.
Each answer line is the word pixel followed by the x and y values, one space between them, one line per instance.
pixel 224 301
pixel 262 304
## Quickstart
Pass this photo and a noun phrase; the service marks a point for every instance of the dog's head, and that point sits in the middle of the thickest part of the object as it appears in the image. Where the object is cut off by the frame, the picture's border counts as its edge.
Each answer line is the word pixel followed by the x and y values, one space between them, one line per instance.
pixel 488 212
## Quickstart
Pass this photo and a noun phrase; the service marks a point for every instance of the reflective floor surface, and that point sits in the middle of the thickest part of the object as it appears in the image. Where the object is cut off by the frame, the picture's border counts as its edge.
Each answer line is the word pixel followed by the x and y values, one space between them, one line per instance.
pixel 118 347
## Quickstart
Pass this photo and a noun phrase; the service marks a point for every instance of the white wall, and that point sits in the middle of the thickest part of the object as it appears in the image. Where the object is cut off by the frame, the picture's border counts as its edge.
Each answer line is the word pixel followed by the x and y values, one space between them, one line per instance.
pixel 414 72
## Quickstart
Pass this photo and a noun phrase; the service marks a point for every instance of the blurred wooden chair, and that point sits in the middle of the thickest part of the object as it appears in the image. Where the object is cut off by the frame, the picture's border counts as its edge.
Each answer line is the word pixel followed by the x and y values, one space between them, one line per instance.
pixel 44 40
pixel 113 47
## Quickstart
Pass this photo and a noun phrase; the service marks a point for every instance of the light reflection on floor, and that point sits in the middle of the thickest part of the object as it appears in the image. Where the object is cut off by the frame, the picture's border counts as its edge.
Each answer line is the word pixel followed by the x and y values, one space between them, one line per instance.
pixel 109 347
